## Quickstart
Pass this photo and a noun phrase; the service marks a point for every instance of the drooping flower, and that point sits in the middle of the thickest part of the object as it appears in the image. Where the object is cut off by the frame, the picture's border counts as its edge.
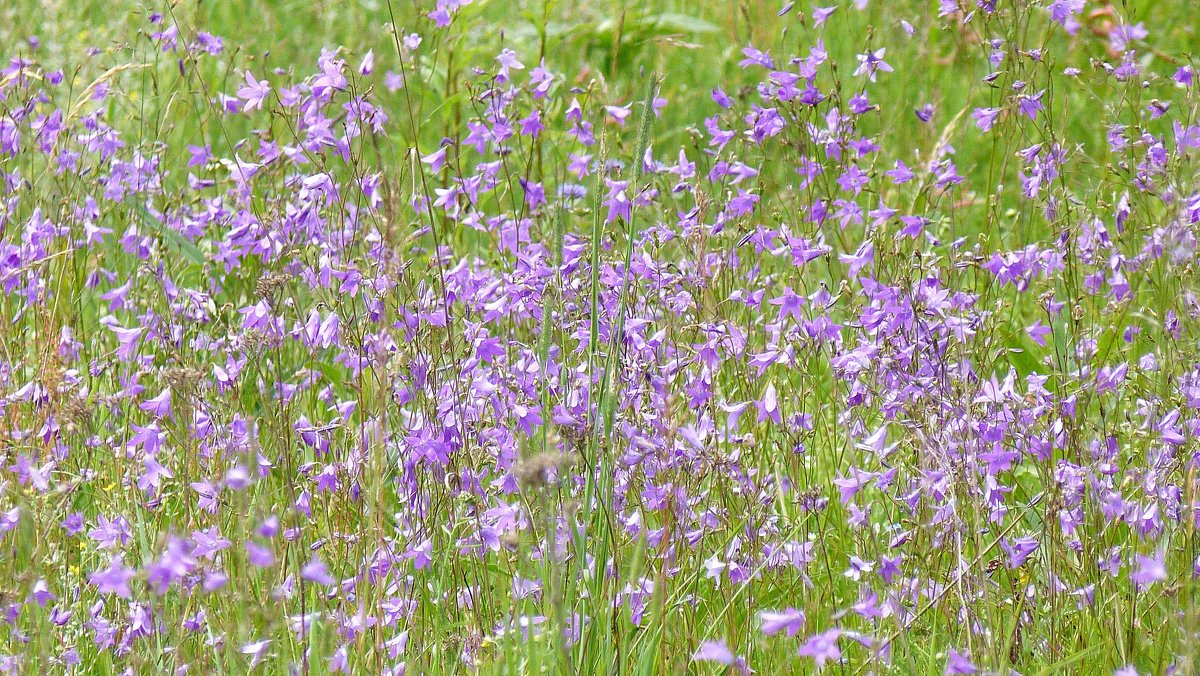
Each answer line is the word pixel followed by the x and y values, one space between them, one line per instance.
pixel 822 647
pixel 959 663
pixel 114 579
pixel 1148 570
pixel 790 621
pixel 316 571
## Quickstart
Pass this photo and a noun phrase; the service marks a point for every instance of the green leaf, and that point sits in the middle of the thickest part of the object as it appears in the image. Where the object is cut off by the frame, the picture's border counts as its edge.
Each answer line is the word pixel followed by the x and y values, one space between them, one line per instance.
pixel 682 23
pixel 187 249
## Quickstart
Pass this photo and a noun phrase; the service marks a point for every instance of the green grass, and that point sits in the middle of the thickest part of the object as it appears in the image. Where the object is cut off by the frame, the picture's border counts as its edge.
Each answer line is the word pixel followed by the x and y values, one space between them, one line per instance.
pixel 617 53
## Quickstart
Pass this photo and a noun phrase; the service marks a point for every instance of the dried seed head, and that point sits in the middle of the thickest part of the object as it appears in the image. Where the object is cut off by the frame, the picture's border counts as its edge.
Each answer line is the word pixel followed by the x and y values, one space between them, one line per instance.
pixel 268 284
pixel 75 412
pixel 183 380
pixel 574 436
pixel 255 341
pixel 541 469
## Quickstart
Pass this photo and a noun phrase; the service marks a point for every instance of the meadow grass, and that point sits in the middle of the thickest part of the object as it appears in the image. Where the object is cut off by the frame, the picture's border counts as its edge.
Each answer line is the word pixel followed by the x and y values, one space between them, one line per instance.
pixel 344 337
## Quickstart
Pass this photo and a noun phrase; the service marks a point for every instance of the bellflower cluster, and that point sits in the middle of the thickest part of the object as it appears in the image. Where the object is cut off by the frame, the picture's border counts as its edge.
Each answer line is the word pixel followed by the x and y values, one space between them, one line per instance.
pixel 410 358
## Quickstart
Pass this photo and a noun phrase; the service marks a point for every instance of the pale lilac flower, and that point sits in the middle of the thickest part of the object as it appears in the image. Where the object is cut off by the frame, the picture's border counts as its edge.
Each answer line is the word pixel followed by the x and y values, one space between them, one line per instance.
pixel 508 62
pixel 870 63
pixel 790 620
pixel 254 92
pixel 160 405
pixel 1123 35
pixel 114 579
pixel 717 651
pixel 959 663
pixel 1148 570
pixel 619 113
pixel 316 571
pixel 822 647
pixel 257 651
pixel 821 14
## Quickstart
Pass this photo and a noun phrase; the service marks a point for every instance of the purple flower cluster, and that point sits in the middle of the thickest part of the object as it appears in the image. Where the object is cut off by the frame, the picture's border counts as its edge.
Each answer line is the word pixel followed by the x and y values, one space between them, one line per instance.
pixel 302 382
